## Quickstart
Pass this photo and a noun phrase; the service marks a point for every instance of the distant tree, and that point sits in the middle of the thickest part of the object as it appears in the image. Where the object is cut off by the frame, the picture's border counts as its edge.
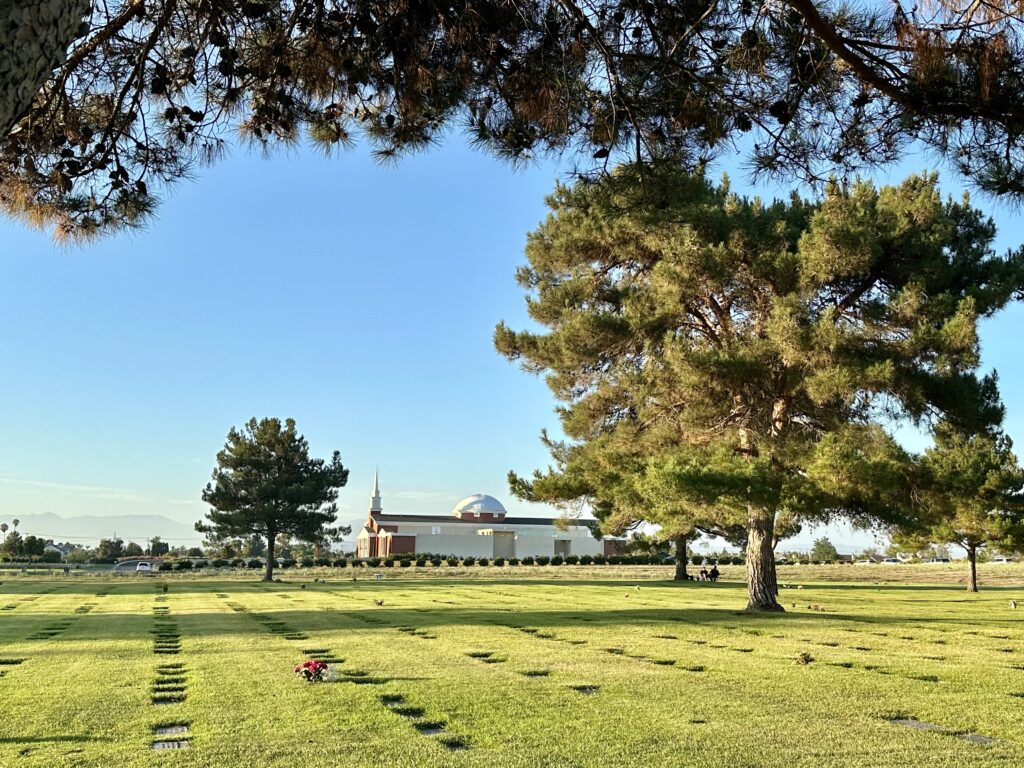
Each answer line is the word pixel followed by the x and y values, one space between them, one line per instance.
pixel 823 551
pixel 254 547
pixel 752 351
pixel 153 90
pixel 109 550
pixel 974 493
pixel 158 547
pixel 131 549
pixel 265 484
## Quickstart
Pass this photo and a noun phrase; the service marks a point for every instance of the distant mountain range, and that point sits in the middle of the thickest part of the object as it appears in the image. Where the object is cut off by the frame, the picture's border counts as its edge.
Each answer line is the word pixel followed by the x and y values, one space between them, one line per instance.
pixel 89 529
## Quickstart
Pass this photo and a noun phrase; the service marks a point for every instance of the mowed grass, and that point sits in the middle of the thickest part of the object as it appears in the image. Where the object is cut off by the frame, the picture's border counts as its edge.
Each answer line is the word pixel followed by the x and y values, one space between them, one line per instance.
pixel 507 672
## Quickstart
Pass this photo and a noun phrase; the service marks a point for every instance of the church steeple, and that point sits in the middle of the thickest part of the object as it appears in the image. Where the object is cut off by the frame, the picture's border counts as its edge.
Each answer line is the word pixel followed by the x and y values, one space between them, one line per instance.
pixel 375 499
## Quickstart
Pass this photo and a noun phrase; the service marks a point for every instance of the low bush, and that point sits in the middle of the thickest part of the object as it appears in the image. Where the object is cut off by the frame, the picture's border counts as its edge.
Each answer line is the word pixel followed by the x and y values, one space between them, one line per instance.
pixel 341 562
pixel 600 560
pixel 557 560
pixel 323 562
pixel 572 560
pixel 436 562
pixel 254 563
pixel 218 563
pixel 543 560
pixel 183 565
pixel 586 560
pixel 389 563
pixel 528 561
pixel 238 563
pixel 373 562
pixel 452 561
pixel 469 561
pixel 499 561
pixel 737 561
pixel 421 562
pixel 165 566
pixel 513 561
pixel 285 563
pixel 404 563
pixel 483 561
pixel 697 560
pixel 307 562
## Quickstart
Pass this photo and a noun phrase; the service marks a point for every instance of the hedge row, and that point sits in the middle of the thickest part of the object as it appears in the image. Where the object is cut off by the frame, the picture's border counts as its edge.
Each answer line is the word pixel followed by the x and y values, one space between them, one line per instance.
pixel 422 562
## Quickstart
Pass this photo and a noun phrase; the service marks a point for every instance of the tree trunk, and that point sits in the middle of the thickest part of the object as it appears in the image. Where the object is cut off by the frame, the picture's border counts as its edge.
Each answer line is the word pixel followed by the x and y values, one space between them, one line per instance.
pixel 681 557
pixel 268 572
pixel 762 586
pixel 972 560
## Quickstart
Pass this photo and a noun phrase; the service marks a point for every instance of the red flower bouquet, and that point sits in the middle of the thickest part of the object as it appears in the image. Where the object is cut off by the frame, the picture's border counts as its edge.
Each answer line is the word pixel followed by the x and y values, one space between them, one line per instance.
pixel 312 671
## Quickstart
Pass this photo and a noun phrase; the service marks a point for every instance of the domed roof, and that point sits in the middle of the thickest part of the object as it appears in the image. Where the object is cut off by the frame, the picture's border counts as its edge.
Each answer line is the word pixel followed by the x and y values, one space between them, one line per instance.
pixel 478 502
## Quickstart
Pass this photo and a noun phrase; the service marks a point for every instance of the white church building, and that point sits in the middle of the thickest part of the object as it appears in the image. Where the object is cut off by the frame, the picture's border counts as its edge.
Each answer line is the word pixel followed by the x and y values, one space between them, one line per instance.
pixel 477 527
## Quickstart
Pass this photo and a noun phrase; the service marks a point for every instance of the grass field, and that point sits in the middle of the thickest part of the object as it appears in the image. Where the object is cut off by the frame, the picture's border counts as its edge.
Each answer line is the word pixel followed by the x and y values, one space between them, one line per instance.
pixel 499 671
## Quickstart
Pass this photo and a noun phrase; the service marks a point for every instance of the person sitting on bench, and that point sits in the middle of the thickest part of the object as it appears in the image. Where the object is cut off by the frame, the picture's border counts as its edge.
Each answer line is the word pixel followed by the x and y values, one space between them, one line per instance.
pixel 713 574
pixel 703 574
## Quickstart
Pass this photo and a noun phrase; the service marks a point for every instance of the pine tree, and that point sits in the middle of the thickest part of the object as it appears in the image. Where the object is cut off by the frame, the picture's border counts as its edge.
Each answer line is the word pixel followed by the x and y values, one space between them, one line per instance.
pixel 265 484
pixel 974 492
pixel 748 355
pixel 154 90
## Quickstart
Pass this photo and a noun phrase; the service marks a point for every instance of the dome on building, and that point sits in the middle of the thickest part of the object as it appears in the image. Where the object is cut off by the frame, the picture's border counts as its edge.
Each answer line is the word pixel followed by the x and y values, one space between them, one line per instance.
pixel 477 504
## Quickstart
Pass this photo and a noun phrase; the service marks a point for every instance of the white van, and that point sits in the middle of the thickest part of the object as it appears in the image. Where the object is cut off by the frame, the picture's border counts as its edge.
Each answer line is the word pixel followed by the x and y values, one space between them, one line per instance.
pixel 143 567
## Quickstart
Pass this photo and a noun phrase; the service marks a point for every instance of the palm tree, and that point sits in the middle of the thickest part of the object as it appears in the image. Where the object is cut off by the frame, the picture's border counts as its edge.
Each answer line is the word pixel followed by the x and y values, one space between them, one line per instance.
pixel 15 521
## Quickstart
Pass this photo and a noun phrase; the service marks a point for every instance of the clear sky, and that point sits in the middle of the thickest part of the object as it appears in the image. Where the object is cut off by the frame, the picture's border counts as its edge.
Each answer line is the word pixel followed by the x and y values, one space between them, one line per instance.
pixel 356 298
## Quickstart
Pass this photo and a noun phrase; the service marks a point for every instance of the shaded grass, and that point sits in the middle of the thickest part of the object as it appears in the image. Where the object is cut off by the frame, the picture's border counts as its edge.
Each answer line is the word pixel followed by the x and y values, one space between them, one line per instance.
pixel 611 679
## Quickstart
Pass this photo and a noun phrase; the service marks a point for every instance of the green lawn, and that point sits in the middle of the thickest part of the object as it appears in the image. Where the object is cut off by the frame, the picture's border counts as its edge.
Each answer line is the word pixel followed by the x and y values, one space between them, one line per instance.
pixel 517 672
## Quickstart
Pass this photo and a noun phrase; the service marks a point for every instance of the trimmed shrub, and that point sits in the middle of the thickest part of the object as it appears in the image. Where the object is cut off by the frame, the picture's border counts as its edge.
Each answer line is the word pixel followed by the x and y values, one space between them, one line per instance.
pixel 543 560
pixel 528 561
pixel 238 563
pixel 499 561
pixel 452 561
pixel 373 562
pixel 218 563
pixel 436 562
pixel 557 560
pixel 600 560
pixel 341 562
pixel 183 565
pixel 254 563
pixel 737 561
pixel 697 560
pixel 513 561
pixel 586 560
pixel 389 563
pixel 469 561
pixel 165 566
pixel 421 562
pixel 572 560
pixel 404 563
pixel 323 561
pixel 307 562
pixel 483 561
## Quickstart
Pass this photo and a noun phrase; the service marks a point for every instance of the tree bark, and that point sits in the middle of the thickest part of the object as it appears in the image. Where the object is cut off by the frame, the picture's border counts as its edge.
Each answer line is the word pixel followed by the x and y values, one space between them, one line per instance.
pixel 268 572
pixel 681 557
pixel 972 560
pixel 762 586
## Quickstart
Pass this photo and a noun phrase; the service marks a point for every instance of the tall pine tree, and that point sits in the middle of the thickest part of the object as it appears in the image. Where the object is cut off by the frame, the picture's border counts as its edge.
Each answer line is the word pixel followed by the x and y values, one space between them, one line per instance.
pixel 754 353
pixel 266 484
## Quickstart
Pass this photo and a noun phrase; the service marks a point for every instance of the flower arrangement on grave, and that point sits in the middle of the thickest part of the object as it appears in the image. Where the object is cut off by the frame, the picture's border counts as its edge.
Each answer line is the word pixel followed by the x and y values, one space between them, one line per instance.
pixel 313 671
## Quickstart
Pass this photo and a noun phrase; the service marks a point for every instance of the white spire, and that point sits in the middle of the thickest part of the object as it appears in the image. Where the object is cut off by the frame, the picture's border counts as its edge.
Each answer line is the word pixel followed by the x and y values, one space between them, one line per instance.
pixel 375 499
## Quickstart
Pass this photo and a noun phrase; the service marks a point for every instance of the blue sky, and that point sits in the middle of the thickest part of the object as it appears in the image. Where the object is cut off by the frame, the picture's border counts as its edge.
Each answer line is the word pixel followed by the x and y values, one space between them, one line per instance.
pixel 356 298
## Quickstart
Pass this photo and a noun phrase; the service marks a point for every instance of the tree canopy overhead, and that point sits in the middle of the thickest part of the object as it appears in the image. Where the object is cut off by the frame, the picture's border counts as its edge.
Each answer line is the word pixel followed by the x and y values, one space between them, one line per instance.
pixel 266 484
pixel 751 355
pixel 155 89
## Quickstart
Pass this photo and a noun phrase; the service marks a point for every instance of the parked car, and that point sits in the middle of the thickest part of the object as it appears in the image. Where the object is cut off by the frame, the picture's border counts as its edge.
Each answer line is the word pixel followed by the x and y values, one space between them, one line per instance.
pixel 143 567
pixel 938 560
pixel 1002 559
pixel 866 562
pixel 891 561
